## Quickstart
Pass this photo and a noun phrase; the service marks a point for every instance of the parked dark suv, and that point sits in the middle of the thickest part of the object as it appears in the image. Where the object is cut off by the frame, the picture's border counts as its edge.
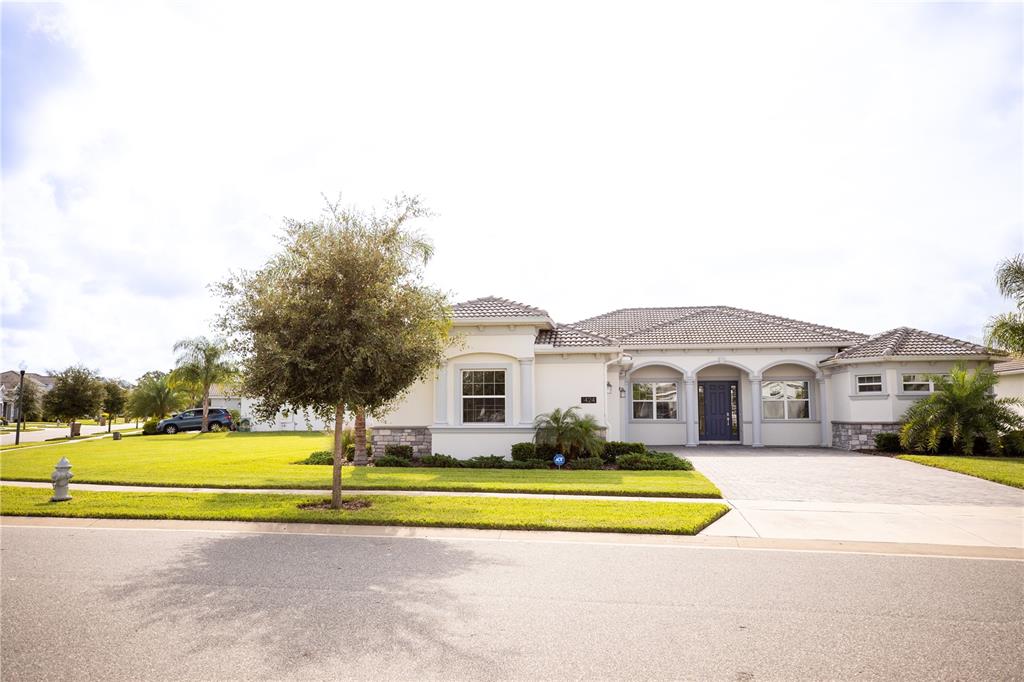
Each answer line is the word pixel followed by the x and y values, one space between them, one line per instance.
pixel 192 420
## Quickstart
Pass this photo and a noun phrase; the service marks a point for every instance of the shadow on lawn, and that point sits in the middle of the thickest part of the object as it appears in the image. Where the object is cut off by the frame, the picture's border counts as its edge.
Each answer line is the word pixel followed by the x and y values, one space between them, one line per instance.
pixel 313 603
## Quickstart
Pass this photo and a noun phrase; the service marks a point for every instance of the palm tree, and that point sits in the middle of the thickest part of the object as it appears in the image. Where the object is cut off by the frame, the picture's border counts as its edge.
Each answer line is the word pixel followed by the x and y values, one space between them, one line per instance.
pixel 962 409
pixel 155 397
pixel 359 437
pixel 1006 331
pixel 202 363
pixel 569 433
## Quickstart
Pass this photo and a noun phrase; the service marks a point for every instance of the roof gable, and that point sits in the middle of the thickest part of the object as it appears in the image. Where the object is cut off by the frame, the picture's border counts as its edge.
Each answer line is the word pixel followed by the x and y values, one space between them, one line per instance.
pixel 907 341
pixel 495 307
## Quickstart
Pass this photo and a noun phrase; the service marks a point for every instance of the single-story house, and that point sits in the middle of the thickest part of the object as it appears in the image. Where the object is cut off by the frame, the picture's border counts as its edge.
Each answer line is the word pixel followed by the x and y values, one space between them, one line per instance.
pixel 668 376
pixel 9 381
pixel 1011 379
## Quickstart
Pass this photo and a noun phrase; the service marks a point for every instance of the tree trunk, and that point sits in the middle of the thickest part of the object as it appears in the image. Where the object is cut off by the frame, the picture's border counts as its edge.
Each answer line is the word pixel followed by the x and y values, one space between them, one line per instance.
pixel 339 456
pixel 360 458
pixel 110 420
pixel 206 410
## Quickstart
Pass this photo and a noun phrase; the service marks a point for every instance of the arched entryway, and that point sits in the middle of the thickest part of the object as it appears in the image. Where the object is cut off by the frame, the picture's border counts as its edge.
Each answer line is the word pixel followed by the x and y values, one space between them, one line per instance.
pixel 723 404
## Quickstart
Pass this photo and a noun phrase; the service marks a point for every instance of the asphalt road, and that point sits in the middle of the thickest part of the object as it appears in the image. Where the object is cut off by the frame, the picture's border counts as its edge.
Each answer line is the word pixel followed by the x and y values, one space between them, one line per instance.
pixel 58 432
pixel 141 604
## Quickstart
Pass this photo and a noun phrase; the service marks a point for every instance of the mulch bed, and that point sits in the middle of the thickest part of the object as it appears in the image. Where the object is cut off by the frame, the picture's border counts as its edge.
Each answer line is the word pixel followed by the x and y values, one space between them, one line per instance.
pixel 349 505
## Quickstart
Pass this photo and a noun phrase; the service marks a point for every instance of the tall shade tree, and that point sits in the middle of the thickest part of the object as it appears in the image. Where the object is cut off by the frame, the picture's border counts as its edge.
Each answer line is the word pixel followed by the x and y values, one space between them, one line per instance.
pixel 77 392
pixel 155 396
pixel 115 397
pixel 340 319
pixel 961 410
pixel 201 363
pixel 1006 331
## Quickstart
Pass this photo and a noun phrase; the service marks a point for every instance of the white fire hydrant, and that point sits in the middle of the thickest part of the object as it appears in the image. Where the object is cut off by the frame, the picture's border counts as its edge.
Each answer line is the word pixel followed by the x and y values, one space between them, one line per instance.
pixel 61 476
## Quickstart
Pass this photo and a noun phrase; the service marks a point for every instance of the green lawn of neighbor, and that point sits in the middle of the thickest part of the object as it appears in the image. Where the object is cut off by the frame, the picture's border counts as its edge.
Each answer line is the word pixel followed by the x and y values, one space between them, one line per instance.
pixel 680 518
pixel 1005 470
pixel 265 460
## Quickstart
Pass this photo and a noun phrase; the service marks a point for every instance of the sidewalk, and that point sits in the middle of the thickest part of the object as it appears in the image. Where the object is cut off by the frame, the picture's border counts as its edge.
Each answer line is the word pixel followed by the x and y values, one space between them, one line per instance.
pixel 946 525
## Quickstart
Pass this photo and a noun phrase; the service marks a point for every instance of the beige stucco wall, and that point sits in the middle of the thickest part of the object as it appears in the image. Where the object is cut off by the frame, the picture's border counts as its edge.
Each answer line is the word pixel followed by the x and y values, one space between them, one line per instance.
pixel 889 406
pixel 1011 386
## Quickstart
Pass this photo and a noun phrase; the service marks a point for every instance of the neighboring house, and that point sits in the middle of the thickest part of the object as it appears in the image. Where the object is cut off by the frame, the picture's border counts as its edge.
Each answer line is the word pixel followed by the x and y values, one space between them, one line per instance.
pixel 1011 380
pixel 668 376
pixel 225 396
pixel 285 420
pixel 9 395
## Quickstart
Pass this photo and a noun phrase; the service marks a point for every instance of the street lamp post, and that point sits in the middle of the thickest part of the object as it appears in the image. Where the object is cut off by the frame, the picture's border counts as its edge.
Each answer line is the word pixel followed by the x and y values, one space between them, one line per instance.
pixel 21 408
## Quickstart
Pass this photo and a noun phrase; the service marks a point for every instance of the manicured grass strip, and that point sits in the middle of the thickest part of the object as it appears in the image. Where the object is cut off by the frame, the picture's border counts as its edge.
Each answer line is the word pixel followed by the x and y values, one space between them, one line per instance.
pixel 265 460
pixel 677 518
pixel 1005 470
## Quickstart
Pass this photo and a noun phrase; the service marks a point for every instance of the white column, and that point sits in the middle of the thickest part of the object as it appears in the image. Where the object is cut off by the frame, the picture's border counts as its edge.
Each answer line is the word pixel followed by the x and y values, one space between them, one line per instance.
pixel 441 394
pixel 826 426
pixel 625 400
pixel 691 412
pixel 525 390
pixel 755 409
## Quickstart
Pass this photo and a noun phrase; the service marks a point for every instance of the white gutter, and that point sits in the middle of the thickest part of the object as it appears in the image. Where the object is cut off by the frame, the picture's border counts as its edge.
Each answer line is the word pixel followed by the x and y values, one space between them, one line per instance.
pixel 623 359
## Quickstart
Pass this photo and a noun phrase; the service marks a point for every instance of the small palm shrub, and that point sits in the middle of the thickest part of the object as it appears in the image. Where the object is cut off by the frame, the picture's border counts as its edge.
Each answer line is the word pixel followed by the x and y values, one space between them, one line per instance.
pixel 569 433
pixel 1013 444
pixel 887 442
pixel 963 410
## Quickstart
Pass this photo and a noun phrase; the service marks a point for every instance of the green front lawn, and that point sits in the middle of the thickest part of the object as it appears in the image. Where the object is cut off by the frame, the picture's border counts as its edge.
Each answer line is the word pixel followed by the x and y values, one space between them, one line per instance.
pixel 266 460
pixel 680 518
pixel 1005 470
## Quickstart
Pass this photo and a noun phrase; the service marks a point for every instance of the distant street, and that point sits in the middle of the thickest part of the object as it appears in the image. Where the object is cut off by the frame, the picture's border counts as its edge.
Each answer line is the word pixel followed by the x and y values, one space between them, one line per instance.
pixel 46 434
pixel 135 603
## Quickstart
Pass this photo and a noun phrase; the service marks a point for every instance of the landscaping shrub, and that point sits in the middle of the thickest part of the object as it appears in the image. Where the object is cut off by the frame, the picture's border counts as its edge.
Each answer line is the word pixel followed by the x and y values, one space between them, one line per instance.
pixel 545 451
pixel 614 448
pixel 149 428
pixel 486 462
pixel 350 451
pixel 1013 444
pixel 319 457
pixel 403 451
pixel 522 452
pixel 587 463
pixel 888 442
pixel 444 461
pixel 650 461
pixel 528 464
pixel 392 461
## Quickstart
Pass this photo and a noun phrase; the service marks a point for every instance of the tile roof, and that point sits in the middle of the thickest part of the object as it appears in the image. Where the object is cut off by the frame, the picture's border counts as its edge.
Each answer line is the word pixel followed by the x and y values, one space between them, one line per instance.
pixel 492 306
pixel 709 325
pixel 904 341
pixel 1015 365
pixel 563 336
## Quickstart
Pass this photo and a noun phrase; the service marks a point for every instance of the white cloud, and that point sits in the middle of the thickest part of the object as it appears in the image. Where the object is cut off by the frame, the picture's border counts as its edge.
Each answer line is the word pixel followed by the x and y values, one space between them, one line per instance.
pixel 855 165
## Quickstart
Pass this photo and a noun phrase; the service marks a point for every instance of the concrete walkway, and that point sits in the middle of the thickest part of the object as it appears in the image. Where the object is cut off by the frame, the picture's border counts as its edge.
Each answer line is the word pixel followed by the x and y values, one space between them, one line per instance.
pixel 813 493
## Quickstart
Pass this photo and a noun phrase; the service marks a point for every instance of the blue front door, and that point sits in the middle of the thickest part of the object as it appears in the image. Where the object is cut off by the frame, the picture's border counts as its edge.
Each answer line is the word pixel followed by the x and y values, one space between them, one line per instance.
pixel 719 410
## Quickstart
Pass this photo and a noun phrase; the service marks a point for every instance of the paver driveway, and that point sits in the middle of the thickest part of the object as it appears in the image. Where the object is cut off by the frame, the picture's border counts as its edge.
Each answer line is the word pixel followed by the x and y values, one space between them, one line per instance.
pixel 820 475
pixel 813 493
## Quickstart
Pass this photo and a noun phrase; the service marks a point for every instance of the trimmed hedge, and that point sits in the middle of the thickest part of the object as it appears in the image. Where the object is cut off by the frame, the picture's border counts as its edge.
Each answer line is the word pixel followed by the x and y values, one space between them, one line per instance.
pixel 581 463
pixel 666 461
pixel 1013 444
pixel 523 452
pixel 149 428
pixel 888 442
pixel 485 462
pixel 614 448
pixel 392 461
pixel 440 461
pixel 403 451
pixel 319 457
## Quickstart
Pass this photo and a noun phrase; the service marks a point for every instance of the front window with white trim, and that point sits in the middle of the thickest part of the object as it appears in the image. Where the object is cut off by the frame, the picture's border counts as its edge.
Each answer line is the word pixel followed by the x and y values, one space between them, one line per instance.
pixel 918 383
pixel 655 400
pixel 786 399
pixel 483 396
pixel 869 383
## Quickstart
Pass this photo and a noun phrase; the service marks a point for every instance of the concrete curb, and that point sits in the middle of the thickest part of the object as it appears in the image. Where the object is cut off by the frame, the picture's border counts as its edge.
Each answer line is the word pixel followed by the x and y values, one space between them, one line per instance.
pixel 550 537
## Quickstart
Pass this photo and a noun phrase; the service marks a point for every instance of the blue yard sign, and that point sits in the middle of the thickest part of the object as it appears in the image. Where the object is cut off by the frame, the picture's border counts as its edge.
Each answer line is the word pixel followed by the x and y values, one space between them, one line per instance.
pixel 559 460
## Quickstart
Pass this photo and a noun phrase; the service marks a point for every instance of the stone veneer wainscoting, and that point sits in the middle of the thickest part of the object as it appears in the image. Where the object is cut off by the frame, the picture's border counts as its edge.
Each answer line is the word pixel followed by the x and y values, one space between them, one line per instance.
pixel 859 435
pixel 416 436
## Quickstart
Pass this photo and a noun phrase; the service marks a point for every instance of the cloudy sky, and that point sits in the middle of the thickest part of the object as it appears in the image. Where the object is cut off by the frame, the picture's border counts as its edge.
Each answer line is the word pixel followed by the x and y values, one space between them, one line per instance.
pixel 849 164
